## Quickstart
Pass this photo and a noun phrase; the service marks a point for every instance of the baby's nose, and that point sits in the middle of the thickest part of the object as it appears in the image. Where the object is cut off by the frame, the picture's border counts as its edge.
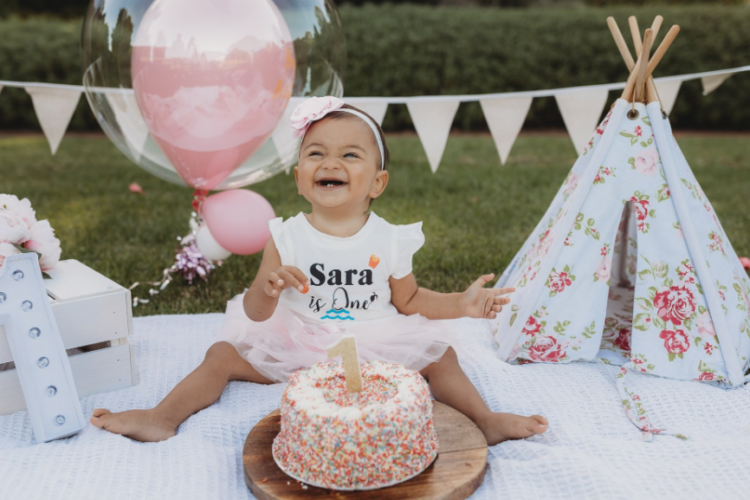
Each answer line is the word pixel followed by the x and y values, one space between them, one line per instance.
pixel 332 162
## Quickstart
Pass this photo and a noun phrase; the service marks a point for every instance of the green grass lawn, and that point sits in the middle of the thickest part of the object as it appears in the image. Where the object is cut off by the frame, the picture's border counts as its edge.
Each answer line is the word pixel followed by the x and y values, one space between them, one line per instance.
pixel 476 212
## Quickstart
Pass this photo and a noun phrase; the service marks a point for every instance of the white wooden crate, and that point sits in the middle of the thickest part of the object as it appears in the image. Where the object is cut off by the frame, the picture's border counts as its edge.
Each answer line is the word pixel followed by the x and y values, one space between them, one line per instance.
pixel 89 309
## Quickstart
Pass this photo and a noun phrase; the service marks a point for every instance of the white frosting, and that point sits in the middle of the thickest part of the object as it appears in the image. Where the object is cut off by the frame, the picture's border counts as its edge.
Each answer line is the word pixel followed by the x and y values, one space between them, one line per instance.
pixel 312 399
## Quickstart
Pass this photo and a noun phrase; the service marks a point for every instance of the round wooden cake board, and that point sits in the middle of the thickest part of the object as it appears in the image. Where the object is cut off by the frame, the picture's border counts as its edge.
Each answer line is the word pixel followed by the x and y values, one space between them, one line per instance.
pixel 455 474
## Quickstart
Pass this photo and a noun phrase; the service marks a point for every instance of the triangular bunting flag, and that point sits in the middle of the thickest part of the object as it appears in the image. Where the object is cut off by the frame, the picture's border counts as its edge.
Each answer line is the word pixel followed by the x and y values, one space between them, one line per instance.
pixel 668 93
pixel 376 109
pixel 713 82
pixel 285 144
pixel 54 108
pixel 433 120
pixel 130 120
pixel 581 111
pixel 505 118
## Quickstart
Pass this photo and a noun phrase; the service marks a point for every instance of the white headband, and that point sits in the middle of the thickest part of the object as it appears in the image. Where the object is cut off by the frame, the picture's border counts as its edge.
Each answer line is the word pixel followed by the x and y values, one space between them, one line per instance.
pixel 369 122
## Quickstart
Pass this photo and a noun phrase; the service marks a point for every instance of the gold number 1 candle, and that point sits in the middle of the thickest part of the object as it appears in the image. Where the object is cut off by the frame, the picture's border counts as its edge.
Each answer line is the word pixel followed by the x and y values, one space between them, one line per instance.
pixel 346 347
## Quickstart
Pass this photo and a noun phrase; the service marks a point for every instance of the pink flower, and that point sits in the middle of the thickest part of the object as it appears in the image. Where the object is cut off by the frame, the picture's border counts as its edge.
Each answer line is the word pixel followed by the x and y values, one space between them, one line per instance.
pixel 546 349
pixel 311 110
pixel 602 272
pixel 646 161
pixel 745 262
pixel 6 249
pixel 532 326
pixel 603 125
pixel 706 376
pixel 623 339
pixel 42 240
pixel 641 208
pixel 135 188
pixel 638 131
pixel 546 242
pixel 572 183
pixel 674 304
pixel 558 281
pixel 675 342
pixel 705 325
pixel 708 348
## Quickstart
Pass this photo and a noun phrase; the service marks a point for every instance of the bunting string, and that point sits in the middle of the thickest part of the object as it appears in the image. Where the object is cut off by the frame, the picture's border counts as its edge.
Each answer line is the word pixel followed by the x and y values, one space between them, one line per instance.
pixel 581 107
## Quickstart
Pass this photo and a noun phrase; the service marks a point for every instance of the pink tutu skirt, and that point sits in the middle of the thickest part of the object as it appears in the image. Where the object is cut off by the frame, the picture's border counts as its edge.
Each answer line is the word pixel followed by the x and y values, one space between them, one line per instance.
pixel 285 343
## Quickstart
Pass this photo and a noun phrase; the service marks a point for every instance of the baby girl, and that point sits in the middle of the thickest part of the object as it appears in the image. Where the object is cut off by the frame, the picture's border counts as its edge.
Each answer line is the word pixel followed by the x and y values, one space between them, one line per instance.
pixel 338 269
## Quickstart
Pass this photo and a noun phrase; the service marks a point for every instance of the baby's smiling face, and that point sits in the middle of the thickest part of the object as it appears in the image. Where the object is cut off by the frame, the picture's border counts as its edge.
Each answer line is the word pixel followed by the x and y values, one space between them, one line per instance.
pixel 339 165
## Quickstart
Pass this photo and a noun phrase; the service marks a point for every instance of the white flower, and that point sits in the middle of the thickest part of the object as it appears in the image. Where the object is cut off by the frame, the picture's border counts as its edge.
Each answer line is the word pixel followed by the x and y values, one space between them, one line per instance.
pixel 6 249
pixel 13 229
pixel 42 240
pixel 20 207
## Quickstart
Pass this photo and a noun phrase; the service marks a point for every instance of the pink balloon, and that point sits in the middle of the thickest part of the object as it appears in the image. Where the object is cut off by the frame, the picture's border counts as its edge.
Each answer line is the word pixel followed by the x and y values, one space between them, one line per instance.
pixel 212 79
pixel 238 220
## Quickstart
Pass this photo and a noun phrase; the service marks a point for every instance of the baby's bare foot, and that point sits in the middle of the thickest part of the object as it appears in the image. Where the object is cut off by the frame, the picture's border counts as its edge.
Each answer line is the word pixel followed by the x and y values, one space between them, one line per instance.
pixel 499 427
pixel 141 425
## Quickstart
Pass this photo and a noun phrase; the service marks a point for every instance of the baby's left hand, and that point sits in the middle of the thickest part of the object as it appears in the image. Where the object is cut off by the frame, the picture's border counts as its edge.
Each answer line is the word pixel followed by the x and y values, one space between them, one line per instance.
pixel 480 302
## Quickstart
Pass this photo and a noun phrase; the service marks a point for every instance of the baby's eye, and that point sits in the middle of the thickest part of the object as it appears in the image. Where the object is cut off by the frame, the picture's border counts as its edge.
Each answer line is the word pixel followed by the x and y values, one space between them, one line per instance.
pixel 314 153
pixel 353 154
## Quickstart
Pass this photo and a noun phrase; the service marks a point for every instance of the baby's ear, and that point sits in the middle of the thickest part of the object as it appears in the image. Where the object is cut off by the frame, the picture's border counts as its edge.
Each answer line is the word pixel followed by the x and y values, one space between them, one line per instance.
pixel 296 177
pixel 381 181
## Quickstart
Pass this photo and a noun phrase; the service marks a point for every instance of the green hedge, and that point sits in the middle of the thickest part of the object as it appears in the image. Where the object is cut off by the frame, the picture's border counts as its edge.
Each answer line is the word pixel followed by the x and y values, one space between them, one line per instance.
pixel 409 50
pixel 401 50
pixel 39 50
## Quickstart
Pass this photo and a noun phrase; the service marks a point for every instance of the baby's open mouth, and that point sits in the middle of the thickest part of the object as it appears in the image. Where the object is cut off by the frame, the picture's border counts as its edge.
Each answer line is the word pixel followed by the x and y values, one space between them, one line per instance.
pixel 330 183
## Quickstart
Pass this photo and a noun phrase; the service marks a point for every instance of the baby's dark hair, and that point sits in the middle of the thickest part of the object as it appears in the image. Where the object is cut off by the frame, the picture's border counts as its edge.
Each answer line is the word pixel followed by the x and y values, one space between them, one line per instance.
pixel 340 114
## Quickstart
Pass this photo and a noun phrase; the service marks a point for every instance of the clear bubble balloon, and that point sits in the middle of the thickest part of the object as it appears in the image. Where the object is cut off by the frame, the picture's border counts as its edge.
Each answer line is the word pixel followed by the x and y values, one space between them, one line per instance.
pixel 109 37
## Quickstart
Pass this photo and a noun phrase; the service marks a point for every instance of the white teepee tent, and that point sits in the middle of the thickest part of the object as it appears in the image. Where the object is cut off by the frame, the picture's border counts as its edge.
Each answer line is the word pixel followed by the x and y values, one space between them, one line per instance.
pixel 630 263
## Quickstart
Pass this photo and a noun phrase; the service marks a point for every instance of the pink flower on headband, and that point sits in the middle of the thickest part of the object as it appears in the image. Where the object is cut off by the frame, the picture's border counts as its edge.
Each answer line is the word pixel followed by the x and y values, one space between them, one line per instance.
pixel 312 110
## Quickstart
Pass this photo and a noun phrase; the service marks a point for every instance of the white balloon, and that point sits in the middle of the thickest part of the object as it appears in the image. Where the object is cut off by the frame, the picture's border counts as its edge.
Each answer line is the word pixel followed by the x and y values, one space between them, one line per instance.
pixel 208 245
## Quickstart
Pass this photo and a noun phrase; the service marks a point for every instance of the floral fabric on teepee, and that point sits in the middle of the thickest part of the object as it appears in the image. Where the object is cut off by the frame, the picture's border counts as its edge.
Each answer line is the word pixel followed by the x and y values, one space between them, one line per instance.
pixel 608 272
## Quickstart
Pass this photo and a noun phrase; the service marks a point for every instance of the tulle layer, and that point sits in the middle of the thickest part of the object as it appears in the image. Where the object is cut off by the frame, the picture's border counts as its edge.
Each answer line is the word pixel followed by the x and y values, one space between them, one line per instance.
pixel 285 343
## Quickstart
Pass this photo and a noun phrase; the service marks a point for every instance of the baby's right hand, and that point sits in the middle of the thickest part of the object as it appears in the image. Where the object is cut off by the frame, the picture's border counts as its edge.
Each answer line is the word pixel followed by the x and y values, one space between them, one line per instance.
pixel 285 277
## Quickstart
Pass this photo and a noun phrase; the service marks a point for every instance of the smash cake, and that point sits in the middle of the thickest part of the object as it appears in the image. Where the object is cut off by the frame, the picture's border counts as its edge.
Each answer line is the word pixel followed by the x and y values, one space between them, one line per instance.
pixel 343 440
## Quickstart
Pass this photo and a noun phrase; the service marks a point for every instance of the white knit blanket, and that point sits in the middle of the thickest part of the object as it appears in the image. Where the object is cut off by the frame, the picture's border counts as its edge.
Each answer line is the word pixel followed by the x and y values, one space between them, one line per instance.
pixel 591 449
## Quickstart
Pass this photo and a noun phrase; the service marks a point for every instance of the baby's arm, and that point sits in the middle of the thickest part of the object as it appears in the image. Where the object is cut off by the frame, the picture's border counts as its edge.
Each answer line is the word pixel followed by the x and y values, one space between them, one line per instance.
pixel 475 302
pixel 261 298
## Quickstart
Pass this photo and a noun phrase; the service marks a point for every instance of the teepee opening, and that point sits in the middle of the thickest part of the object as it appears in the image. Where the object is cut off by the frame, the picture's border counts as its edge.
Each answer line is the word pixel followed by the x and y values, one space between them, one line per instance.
pixel 618 322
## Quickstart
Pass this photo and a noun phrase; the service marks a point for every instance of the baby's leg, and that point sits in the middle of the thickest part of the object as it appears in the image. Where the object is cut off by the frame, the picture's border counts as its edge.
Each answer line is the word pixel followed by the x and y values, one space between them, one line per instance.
pixel 451 386
pixel 199 389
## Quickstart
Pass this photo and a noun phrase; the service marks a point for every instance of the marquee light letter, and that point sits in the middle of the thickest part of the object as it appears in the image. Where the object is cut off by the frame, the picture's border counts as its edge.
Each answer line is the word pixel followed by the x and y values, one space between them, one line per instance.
pixel 38 351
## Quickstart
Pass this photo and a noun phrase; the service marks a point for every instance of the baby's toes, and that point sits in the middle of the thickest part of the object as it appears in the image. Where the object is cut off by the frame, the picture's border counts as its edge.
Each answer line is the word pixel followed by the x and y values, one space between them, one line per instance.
pixel 98 412
pixel 100 417
pixel 537 424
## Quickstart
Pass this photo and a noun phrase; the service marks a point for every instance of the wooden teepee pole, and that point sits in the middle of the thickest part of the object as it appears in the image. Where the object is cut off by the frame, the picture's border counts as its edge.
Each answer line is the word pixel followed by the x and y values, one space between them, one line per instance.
pixel 640 84
pixel 668 39
pixel 620 42
pixel 651 94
